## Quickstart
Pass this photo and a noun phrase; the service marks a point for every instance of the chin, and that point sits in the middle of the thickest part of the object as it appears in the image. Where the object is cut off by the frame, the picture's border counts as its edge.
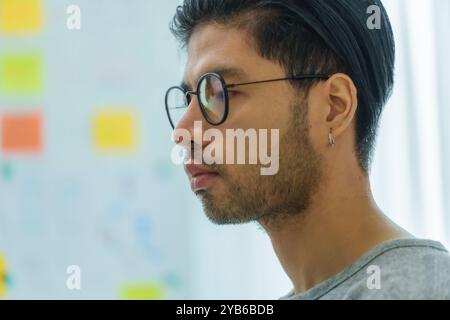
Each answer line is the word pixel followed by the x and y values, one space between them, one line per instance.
pixel 224 216
pixel 221 213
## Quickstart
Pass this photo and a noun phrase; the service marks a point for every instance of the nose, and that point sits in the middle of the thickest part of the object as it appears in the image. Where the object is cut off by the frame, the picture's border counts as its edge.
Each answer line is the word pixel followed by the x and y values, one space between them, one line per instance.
pixel 189 134
pixel 192 115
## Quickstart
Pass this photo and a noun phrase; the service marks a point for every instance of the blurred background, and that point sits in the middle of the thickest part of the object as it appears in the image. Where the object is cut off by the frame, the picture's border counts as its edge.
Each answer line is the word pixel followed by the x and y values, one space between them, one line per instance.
pixel 86 178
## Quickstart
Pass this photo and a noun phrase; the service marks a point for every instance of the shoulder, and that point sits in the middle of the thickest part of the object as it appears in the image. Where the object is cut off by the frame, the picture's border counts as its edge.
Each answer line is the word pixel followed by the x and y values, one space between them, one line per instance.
pixel 404 269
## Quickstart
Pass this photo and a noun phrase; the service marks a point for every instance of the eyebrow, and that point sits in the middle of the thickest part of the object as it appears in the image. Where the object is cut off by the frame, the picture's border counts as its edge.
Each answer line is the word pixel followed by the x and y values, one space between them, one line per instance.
pixel 225 72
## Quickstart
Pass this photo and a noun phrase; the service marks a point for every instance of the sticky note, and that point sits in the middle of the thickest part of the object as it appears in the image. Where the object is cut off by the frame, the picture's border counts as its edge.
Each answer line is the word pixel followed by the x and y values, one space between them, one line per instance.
pixel 114 131
pixel 3 276
pixel 20 16
pixel 143 291
pixel 21 133
pixel 21 74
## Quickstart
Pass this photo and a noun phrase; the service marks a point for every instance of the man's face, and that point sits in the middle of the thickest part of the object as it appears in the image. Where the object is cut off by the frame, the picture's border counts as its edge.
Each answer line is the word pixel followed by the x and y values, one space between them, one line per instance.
pixel 236 193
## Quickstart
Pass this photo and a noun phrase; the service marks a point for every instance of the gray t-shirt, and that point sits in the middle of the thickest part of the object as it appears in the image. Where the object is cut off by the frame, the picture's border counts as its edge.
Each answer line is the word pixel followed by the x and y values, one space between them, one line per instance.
pixel 397 269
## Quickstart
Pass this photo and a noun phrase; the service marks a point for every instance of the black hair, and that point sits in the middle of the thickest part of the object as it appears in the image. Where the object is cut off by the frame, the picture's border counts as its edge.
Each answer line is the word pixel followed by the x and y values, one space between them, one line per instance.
pixel 312 36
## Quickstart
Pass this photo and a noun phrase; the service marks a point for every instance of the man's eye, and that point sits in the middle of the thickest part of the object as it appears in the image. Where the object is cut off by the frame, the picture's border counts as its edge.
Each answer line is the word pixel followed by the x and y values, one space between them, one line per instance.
pixel 232 93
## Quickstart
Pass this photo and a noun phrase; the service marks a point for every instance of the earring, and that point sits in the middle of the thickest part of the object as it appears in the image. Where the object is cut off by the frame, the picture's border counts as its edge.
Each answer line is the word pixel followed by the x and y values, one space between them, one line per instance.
pixel 331 138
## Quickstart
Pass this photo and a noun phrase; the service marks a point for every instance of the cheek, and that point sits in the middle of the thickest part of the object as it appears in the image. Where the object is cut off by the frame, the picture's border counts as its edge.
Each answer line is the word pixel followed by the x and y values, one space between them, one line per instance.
pixel 317 131
pixel 261 110
pixel 238 173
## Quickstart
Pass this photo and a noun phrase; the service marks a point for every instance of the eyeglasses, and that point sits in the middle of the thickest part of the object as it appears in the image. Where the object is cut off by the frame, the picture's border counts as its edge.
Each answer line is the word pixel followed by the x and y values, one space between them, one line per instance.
pixel 213 98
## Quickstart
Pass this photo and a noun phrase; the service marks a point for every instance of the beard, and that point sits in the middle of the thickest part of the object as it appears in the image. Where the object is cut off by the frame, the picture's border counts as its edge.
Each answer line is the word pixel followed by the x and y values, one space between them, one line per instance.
pixel 250 196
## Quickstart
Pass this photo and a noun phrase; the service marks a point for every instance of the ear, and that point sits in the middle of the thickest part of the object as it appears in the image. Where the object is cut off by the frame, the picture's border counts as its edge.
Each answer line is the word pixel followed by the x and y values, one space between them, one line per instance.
pixel 342 101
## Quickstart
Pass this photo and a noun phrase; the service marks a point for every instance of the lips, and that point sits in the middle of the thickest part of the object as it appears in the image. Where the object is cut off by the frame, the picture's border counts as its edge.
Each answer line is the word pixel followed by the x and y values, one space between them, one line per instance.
pixel 201 178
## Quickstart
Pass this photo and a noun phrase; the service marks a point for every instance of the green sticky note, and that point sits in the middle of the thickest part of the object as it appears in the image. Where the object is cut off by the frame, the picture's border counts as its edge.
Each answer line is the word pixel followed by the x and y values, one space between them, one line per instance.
pixel 21 74
pixel 143 291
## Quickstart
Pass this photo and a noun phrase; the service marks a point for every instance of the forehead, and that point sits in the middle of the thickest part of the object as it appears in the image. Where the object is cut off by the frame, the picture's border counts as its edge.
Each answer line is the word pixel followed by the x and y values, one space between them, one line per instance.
pixel 214 48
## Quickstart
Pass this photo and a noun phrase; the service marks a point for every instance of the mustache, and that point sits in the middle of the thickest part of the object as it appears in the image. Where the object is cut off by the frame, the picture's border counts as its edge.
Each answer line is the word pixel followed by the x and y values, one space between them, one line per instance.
pixel 198 150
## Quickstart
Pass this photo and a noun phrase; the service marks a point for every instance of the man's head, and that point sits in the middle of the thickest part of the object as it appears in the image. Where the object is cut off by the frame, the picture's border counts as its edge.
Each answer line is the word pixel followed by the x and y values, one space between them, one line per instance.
pixel 258 40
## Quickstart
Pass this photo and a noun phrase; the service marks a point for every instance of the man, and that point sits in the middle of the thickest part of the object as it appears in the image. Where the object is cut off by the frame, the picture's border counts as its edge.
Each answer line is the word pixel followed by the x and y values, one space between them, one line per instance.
pixel 317 71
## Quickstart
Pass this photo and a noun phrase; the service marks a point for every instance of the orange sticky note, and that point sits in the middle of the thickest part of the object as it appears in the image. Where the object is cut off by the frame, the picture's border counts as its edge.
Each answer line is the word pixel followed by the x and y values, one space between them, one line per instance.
pixel 20 16
pixel 21 132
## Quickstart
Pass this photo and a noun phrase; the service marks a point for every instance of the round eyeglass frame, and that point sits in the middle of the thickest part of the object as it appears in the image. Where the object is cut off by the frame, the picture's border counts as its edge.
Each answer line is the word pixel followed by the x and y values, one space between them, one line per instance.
pixel 225 88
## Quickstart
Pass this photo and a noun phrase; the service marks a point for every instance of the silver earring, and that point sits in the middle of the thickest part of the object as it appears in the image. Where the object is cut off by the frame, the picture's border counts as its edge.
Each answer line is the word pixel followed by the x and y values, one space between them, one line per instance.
pixel 331 138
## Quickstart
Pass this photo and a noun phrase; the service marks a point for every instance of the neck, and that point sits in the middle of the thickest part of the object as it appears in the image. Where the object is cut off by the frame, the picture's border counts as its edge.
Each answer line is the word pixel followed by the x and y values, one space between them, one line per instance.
pixel 341 224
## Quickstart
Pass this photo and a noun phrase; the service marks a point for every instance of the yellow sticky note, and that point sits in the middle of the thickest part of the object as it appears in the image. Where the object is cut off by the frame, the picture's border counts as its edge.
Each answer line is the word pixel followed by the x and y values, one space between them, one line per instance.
pixel 114 131
pixel 2 276
pixel 143 291
pixel 20 74
pixel 20 16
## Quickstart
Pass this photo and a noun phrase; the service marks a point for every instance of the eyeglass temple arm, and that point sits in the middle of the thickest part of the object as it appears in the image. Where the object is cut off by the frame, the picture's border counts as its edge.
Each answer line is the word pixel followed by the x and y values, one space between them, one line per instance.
pixel 299 77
